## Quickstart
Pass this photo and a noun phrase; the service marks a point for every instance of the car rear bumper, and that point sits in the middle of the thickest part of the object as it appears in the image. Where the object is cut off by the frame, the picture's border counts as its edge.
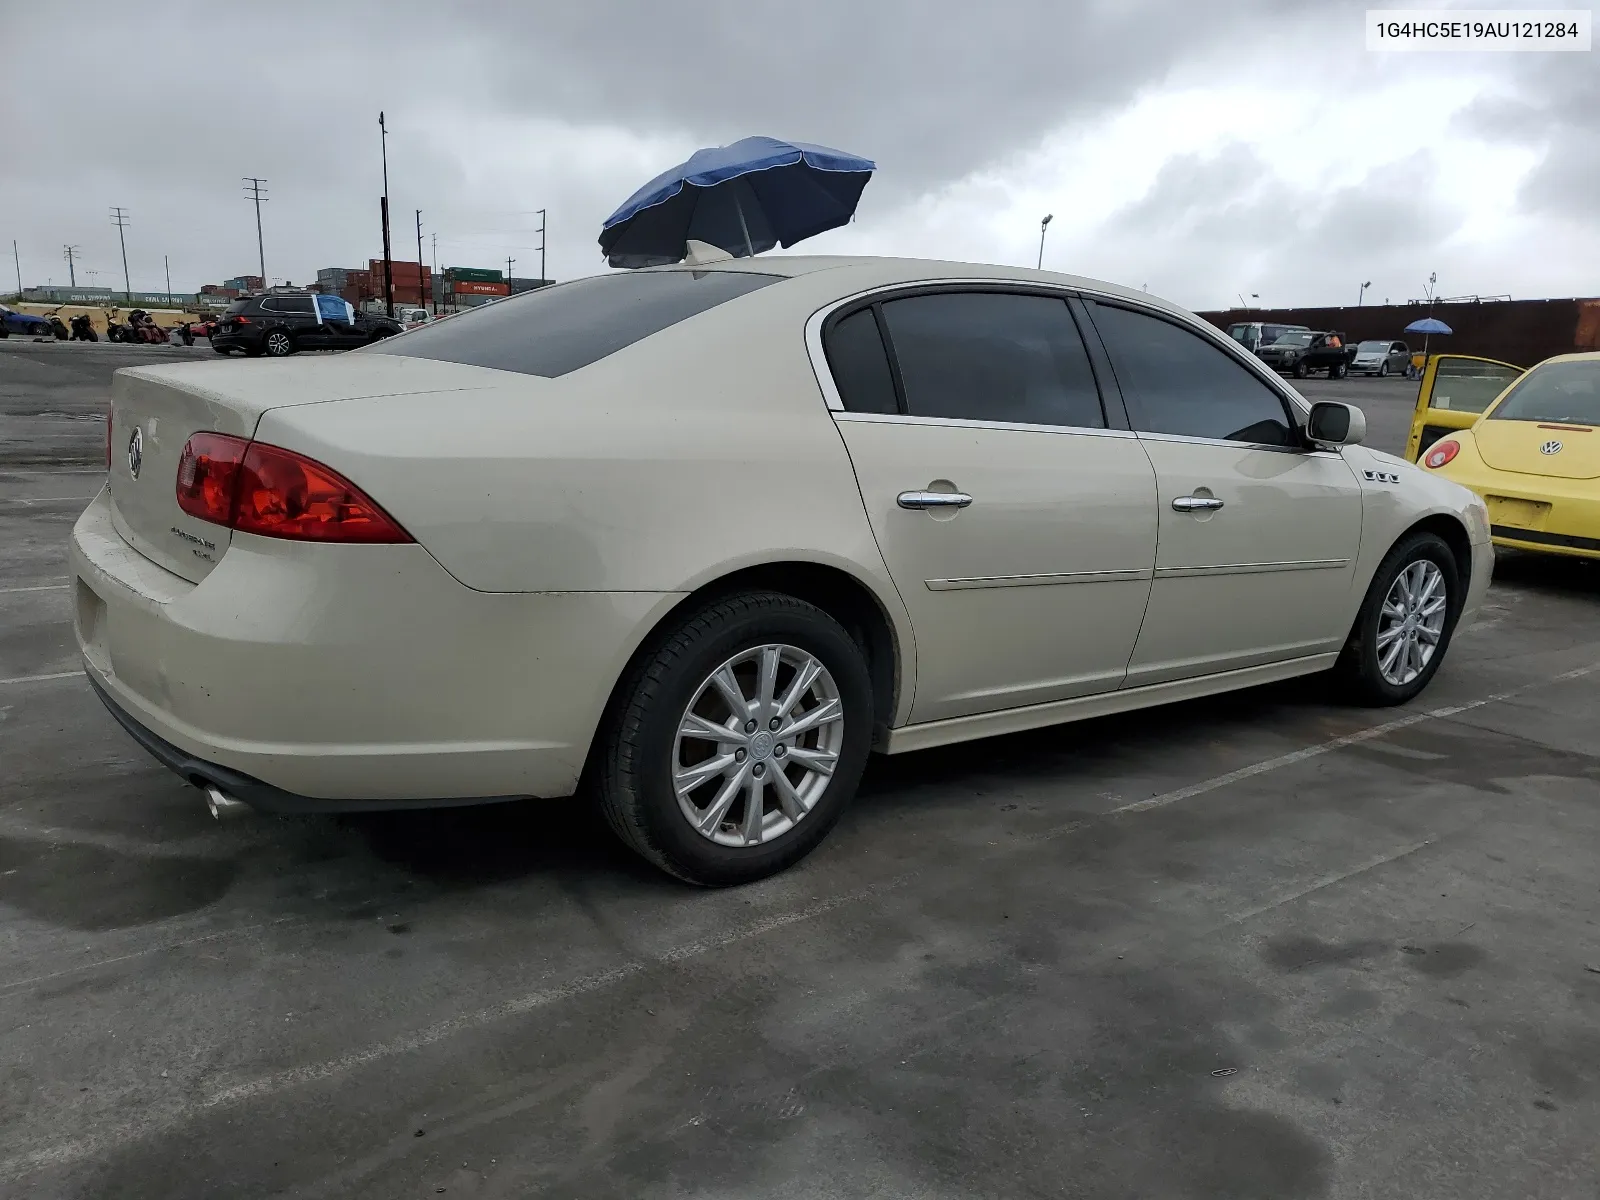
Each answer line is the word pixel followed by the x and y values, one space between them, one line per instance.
pixel 235 341
pixel 1538 513
pixel 299 676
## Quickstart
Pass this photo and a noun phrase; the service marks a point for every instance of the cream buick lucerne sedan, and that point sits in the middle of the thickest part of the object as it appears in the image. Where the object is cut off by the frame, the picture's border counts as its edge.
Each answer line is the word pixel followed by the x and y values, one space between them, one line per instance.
pixel 694 540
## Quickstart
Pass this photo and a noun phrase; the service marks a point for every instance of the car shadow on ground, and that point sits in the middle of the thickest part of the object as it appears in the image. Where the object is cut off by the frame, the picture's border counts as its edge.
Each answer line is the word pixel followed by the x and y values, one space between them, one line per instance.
pixel 1552 574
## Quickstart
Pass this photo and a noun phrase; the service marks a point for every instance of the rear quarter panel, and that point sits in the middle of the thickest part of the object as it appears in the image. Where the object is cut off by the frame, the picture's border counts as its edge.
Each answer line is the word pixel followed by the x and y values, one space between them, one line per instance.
pixel 698 451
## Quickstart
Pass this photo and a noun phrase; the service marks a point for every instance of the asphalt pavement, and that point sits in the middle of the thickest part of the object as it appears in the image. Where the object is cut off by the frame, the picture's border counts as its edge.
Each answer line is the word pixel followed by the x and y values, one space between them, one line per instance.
pixel 1256 946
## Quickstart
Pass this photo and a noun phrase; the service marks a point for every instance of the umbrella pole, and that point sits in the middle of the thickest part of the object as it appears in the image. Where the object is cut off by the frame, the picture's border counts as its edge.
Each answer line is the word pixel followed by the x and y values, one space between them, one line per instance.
pixel 738 205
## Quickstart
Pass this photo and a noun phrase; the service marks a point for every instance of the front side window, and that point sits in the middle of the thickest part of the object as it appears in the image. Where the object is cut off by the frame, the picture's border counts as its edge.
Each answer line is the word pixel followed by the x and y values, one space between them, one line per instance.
pixel 1468 385
pixel 1567 393
pixel 1177 382
pixel 553 330
pixel 993 356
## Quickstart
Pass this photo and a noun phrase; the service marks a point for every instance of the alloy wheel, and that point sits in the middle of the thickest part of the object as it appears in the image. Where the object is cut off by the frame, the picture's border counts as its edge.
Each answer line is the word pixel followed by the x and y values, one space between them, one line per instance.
pixel 1411 621
pixel 757 745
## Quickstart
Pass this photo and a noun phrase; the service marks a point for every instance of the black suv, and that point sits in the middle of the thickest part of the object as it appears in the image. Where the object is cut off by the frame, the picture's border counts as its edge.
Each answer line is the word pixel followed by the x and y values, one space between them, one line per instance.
pixel 280 324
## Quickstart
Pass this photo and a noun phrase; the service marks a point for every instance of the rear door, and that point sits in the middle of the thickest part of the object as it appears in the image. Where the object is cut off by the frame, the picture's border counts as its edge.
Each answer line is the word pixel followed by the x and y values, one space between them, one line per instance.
pixel 1456 388
pixel 1018 525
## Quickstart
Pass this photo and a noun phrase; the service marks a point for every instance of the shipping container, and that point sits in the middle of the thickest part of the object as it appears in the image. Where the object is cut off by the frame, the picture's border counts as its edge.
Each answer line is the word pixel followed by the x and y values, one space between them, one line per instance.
pixel 474 274
pixel 468 287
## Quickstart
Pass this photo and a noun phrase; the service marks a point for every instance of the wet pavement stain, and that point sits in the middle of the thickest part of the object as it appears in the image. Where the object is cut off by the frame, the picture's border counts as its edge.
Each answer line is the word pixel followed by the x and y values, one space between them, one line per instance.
pixel 1445 960
pixel 1298 952
pixel 91 888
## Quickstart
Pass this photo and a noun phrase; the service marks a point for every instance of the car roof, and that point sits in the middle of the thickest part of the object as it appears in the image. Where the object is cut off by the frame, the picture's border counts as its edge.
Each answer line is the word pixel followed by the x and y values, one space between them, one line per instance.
pixel 861 273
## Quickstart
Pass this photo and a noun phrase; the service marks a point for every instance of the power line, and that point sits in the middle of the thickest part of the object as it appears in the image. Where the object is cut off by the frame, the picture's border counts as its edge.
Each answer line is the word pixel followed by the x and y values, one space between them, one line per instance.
pixel 119 218
pixel 253 188
pixel 67 252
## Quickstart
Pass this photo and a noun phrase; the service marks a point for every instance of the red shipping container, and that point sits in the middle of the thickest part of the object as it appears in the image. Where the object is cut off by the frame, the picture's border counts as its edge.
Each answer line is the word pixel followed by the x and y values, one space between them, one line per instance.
pixel 471 287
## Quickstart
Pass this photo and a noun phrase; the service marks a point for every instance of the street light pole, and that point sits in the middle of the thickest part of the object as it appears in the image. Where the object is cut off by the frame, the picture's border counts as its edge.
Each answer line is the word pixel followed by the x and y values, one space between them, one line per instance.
pixel 1043 225
pixel 388 265
pixel 420 260
pixel 167 267
pixel 1362 292
pixel 542 240
pixel 119 218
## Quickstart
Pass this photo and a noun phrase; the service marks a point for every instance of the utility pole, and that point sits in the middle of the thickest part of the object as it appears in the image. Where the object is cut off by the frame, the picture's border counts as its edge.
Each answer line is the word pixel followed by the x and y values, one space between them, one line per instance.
pixel 420 261
pixel 509 261
pixel 438 284
pixel 542 275
pixel 119 218
pixel 253 188
pixel 167 267
pixel 16 258
pixel 388 265
pixel 66 252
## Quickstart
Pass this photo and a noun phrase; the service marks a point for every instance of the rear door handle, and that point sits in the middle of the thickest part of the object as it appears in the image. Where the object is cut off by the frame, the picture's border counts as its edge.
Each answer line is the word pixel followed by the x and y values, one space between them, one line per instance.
pixel 923 500
pixel 1191 504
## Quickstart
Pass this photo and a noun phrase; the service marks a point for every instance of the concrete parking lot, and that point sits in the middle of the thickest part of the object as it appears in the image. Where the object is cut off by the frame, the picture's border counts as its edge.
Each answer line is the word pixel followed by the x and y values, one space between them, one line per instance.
pixel 1259 946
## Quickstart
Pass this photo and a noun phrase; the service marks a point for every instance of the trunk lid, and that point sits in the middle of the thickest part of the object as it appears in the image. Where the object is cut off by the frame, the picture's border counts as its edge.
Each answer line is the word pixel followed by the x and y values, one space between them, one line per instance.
pixel 1549 448
pixel 155 410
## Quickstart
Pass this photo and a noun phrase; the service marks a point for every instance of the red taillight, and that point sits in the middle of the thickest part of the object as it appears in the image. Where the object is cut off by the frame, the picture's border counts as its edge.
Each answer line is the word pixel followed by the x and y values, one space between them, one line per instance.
pixel 238 321
pixel 1441 453
pixel 208 476
pixel 266 490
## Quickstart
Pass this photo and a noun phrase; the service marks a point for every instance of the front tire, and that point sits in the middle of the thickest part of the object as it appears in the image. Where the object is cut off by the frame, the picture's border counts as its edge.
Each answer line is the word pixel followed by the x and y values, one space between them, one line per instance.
pixel 278 343
pixel 1337 371
pixel 733 747
pixel 1406 620
pixel 1383 369
pixel 1300 371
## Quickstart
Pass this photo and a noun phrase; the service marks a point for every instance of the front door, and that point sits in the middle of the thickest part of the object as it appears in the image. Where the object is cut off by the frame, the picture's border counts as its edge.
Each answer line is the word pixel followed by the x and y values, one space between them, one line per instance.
pixel 1018 528
pixel 1258 536
pixel 1455 390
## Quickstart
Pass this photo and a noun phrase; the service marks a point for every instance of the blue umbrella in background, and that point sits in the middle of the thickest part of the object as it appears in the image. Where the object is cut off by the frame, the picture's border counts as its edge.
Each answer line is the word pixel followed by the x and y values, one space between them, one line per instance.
pixel 1427 326
pixel 745 198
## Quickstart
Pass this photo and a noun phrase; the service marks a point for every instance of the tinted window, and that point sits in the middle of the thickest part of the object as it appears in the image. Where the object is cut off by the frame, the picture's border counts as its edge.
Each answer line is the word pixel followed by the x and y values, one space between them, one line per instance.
pixel 239 306
pixel 287 304
pixel 989 356
pixel 1567 392
pixel 860 367
pixel 553 330
pixel 1176 382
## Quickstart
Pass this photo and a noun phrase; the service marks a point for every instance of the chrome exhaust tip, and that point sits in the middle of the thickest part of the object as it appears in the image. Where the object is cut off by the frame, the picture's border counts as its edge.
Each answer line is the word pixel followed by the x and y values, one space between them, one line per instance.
pixel 223 806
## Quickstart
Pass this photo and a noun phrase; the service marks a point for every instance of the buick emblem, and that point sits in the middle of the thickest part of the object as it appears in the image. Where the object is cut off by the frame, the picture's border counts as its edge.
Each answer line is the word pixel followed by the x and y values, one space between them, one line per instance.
pixel 136 452
pixel 1550 448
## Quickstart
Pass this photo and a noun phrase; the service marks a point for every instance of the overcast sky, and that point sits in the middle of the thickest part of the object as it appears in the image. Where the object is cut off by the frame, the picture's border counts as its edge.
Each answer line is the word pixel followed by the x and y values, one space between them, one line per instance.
pixel 1201 150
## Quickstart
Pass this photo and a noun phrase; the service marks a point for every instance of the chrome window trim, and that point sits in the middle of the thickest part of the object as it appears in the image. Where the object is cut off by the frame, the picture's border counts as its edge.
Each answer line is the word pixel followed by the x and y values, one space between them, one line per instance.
pixel 1190 440
pixel 1298 404
pixel 967 423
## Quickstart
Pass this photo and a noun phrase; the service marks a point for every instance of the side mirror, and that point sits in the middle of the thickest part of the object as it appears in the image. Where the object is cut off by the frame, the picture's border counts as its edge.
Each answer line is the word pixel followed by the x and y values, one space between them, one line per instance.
pixel 1332 424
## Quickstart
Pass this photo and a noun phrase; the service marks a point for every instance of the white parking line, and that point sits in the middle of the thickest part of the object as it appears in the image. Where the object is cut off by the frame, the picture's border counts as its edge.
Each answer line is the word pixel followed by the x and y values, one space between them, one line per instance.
pixel 152 1119
pixel 1338 743
pixel 41 678
pixel 43 587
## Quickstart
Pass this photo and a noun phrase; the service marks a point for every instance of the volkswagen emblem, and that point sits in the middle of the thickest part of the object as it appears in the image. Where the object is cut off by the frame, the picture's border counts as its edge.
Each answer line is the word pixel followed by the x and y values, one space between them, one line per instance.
pixel 1550 448
pixel 135 452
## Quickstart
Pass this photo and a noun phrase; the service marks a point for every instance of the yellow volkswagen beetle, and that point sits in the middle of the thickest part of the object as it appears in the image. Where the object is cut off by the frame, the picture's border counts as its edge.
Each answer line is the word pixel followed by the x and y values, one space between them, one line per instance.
pixel 1532 451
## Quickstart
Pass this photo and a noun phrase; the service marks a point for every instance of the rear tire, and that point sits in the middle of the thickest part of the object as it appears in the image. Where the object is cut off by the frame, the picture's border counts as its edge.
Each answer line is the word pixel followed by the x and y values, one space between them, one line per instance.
pixel 1360 670
pixel 278 343
pixel 642 752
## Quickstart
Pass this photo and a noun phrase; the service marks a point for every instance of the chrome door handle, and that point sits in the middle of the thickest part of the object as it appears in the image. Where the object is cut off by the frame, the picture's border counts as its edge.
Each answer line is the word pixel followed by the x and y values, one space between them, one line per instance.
pixel 1196 504
pixel 918 500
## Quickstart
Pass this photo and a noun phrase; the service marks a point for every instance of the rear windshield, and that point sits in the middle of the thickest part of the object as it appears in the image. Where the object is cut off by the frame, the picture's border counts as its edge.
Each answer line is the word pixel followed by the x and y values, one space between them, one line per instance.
pixel 1567 392
pixel 239 306
pixel 554 330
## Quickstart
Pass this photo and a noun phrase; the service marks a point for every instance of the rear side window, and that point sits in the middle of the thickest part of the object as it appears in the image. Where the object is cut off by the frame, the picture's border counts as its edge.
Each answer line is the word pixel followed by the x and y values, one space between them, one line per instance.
pixel 993 356
pixel 1177 382
pixel 238 306
pixel 553 330
pixel 287 304
pixel 859 365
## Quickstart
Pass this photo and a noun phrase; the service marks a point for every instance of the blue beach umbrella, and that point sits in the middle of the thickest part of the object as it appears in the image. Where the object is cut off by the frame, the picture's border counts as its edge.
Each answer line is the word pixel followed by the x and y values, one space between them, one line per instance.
pixel 1427 326
pixel 748 197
